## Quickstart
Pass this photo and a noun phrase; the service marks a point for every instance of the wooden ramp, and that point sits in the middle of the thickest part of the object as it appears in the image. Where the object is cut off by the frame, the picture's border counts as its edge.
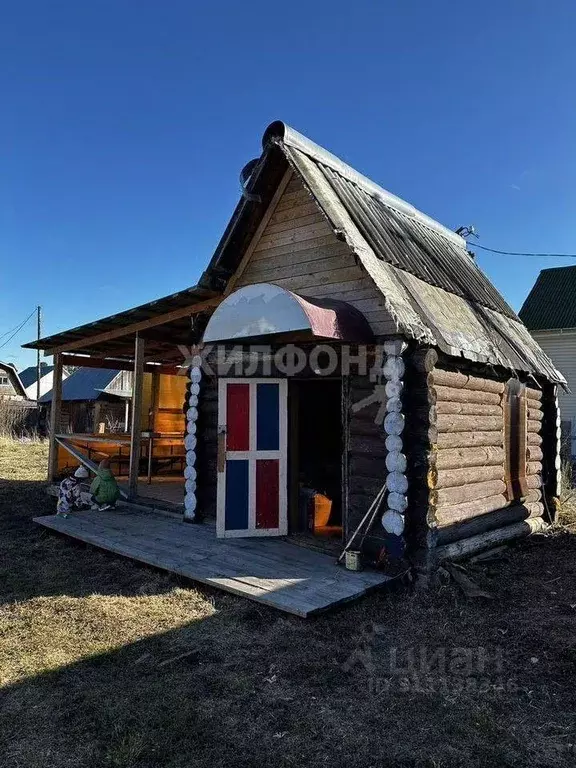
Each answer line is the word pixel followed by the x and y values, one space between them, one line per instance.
pixel 271 571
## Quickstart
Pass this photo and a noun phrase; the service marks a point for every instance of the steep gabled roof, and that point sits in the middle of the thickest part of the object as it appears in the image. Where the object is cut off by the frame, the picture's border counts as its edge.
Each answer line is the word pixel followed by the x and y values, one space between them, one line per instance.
pixel 84 384
pixel 551 303
pixel 432 287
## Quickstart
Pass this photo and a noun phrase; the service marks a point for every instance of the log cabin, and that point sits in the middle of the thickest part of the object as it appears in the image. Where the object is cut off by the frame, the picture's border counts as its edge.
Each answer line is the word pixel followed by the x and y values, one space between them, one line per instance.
pixel 352 379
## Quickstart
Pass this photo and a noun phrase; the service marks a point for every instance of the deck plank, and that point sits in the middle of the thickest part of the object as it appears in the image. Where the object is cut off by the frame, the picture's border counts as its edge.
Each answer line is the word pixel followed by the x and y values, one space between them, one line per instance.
pixel 270 571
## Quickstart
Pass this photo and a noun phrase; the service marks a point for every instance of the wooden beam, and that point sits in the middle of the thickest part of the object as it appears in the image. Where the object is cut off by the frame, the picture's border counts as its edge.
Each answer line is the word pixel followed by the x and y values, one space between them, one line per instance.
pixel 284 181
pixel 55 411
pixel 120 365
pixel 84 460
pixel 136 431
pixel 127 330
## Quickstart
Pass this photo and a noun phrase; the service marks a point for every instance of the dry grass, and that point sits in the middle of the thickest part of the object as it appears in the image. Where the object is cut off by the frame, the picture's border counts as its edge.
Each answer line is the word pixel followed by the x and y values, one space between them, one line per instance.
pixel 567 510
pixel 92 664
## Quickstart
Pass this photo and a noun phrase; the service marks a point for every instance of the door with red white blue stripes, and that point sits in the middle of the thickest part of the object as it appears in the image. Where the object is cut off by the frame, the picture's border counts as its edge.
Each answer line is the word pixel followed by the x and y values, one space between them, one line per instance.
pixel 252 458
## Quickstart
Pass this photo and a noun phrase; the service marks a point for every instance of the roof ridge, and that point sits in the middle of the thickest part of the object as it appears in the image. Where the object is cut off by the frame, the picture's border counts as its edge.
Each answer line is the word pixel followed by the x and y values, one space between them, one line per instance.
pixel 278 130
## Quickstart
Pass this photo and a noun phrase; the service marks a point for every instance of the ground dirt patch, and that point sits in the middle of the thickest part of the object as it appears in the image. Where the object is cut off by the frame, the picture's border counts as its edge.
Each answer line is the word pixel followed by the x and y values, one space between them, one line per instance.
pixel 107 663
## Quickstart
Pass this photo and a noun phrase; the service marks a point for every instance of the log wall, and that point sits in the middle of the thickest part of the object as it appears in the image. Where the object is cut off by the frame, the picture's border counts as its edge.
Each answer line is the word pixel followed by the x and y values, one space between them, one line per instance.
pixel 467 479
pixel 366 451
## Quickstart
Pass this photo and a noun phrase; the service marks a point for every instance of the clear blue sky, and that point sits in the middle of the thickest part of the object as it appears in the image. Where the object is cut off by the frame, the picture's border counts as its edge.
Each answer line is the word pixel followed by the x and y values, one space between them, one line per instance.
pixel 124 125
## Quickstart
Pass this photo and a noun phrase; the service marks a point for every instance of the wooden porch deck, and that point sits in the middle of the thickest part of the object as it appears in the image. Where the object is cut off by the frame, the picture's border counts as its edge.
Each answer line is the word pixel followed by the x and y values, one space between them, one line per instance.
pixel 274 572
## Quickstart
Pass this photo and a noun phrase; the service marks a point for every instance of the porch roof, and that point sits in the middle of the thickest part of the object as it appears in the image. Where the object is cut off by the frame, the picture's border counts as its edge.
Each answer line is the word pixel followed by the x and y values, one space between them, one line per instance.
pixel 113 336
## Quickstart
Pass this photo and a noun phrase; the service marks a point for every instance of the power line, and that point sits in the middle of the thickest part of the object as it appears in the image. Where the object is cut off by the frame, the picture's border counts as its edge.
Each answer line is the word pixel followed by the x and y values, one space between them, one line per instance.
pixel 16 330
pixel 518 253
pixel 16 326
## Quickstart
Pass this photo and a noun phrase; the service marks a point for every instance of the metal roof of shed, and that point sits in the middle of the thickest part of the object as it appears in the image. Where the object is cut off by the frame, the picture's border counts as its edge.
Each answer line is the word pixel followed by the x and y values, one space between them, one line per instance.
pixel 84 384
pixel 29 375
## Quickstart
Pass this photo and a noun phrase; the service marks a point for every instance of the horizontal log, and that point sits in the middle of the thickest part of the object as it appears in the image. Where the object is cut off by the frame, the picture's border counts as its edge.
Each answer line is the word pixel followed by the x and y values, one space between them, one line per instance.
pixel 450 478
pixel 533 438
pixel 533 482
pixel 367 466
pixel 396 462
pixel 397 501
pixel 368 485
pixel 361 384
pixel 490 521
pixel 534 468
pixel 394 368
pixel 423 413
pixel 535 415
pixel 394 443
pixel 452 394
pixel 397 482
pixel 394 388
pixel 206 405
pixel 425 434
pixel 464 381
pixel 459 458
pixel 469 409
pixel 423 360
pixel 470 492
pixel 452 422
pixel 466 547
pixel 468 509
pixel 532 497
pixel 370 445
pixel 534 426
pixel 361 425
pixel 469 439
pixel 423 396
pixel 533 394
pixel 534 453
pixel 394 423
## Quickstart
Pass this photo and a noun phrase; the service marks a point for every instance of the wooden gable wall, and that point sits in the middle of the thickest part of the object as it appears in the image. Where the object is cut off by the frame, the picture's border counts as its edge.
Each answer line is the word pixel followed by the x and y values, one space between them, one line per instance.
pixel 299 251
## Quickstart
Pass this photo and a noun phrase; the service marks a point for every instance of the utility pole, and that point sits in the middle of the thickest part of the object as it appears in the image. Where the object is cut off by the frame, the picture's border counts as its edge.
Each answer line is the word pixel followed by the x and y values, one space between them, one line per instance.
pixel 38 364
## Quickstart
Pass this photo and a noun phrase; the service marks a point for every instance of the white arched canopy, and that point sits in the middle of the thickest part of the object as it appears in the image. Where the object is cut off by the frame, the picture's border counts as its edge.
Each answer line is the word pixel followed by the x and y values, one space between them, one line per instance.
pixel 264 309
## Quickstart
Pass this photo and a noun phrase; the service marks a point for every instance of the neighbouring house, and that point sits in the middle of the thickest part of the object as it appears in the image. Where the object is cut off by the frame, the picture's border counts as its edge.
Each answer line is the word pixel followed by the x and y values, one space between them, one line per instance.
pixel 92 397
pixel 353 379
pixel 11 386
pixel 18 414
pixel 549 313
pixel 29 377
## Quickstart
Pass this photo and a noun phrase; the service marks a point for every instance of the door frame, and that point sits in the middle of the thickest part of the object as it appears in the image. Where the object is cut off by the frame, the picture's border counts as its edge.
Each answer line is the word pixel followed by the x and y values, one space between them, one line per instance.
pixel 252 455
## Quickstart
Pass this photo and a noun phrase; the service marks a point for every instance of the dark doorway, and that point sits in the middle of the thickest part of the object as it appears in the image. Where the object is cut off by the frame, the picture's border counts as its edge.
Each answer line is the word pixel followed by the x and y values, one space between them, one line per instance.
pixel 315 446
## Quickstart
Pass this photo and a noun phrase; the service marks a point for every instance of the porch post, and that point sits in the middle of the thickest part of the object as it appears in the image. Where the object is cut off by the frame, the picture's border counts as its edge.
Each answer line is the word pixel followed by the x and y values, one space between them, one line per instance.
pixel 55 411
pixel 136 430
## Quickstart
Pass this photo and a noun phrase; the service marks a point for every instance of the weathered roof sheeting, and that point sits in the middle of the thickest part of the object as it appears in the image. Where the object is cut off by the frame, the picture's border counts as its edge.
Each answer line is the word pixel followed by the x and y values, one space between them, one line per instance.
pixel 433 287
pixel 551 303
pixel 84 384
pixel 184 298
